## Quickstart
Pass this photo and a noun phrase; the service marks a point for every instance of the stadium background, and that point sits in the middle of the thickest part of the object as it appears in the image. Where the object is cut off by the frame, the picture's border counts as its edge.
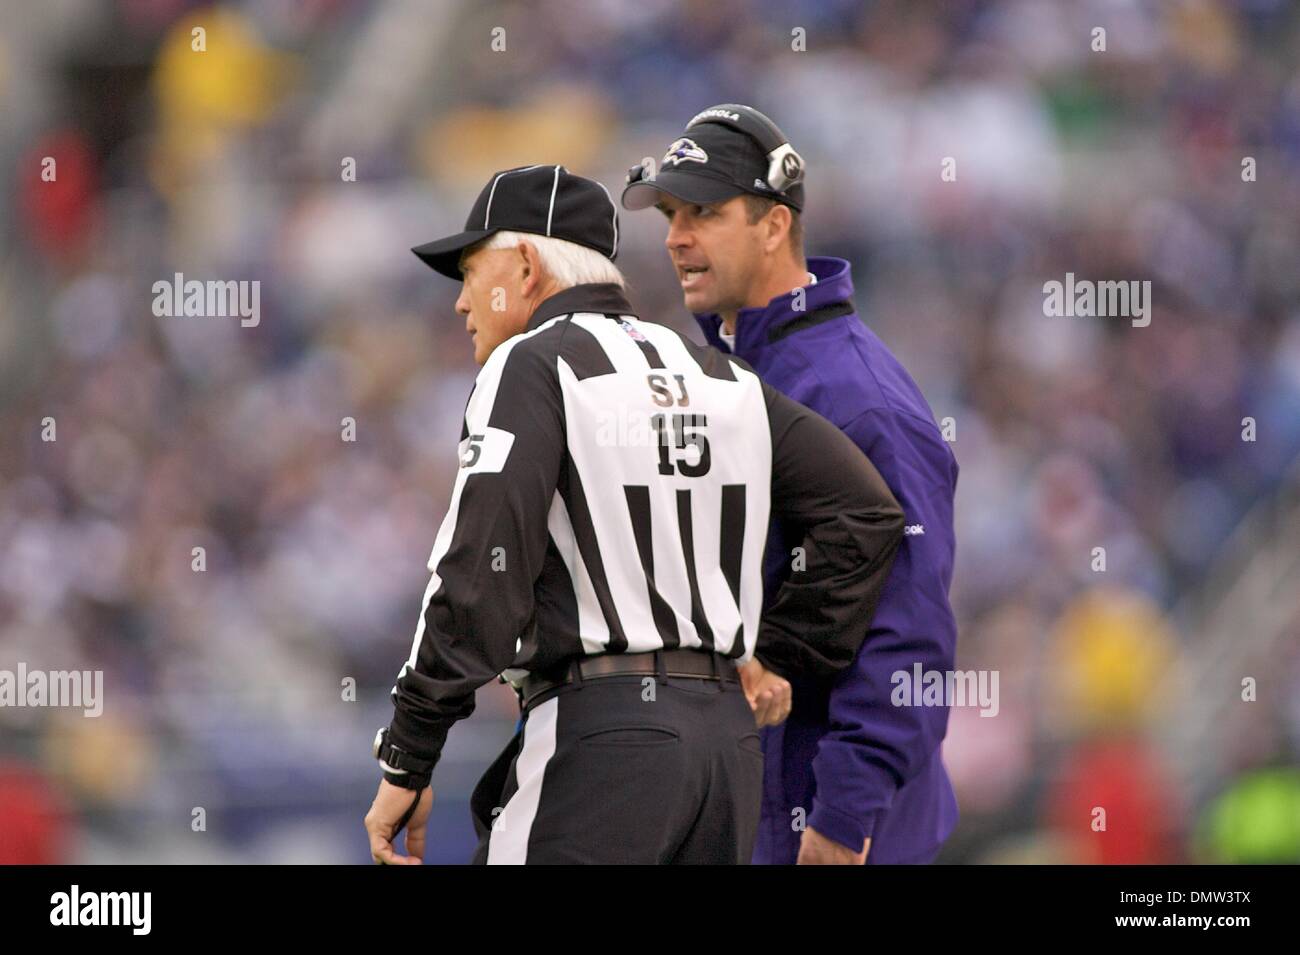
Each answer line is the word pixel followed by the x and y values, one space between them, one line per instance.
pixel 223 689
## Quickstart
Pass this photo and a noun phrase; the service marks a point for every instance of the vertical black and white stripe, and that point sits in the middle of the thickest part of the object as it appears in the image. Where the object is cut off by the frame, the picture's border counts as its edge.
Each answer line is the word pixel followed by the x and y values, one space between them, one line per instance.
pixel 614 494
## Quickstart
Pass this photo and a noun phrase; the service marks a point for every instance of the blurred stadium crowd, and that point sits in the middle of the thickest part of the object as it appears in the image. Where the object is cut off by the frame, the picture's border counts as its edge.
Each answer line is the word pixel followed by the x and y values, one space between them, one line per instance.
pixel 227 689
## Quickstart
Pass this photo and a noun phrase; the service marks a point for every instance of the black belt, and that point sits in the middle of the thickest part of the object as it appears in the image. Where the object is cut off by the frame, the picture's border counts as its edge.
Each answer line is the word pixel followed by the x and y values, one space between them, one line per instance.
pixel 679 662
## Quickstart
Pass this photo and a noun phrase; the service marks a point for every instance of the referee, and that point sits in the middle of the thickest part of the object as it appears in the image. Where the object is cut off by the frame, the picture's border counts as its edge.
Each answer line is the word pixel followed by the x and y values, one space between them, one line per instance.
pixel 603 553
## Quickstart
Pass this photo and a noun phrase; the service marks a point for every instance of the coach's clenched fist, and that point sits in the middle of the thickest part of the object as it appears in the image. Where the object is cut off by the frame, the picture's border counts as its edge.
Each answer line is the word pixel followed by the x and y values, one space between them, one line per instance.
pixel 769 695
pixel 384 821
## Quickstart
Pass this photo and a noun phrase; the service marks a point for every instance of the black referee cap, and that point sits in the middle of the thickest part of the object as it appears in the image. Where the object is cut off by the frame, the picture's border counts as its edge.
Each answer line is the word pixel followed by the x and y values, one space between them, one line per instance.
pixel 541 200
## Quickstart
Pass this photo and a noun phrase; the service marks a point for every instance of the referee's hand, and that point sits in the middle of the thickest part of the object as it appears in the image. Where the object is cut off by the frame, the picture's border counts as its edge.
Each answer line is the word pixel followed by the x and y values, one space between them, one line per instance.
pixel 769 695
pixel 390 805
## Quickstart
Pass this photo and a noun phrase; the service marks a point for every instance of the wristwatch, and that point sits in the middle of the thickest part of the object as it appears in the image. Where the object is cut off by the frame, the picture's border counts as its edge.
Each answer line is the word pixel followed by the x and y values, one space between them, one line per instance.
pixel 400 767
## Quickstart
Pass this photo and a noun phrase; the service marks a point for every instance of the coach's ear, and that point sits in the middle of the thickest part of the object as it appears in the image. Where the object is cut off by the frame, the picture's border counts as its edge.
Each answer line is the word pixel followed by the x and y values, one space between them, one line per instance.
pixel 777 223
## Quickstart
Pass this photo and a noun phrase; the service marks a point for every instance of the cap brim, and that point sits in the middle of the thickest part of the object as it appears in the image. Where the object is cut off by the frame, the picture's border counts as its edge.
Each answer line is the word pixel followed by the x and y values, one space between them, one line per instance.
pixel 689 187
pixel 443 255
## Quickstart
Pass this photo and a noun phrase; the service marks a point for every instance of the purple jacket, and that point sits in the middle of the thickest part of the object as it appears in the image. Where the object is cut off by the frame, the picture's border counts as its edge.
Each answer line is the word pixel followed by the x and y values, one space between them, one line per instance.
pixel 847 762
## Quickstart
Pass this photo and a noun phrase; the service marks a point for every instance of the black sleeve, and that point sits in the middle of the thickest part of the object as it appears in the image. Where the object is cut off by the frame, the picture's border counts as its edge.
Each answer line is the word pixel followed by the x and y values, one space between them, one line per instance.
pixel 489 550
pixel 825 487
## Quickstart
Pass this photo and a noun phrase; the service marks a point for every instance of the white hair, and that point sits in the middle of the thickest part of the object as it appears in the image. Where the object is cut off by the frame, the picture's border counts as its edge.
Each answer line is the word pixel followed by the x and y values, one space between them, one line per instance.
pixel 568 263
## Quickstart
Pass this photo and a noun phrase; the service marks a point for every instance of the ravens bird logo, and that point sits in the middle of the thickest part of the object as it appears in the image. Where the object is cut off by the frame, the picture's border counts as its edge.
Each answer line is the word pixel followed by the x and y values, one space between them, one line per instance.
pixel 684 150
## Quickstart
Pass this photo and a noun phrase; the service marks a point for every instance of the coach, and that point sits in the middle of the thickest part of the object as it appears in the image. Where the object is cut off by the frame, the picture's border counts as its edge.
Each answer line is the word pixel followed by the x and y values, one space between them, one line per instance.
pixel 849 776
pixel 617 583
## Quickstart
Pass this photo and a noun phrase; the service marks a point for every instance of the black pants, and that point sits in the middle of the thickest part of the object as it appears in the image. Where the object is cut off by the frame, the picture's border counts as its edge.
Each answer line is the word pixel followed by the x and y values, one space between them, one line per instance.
pixel 626 769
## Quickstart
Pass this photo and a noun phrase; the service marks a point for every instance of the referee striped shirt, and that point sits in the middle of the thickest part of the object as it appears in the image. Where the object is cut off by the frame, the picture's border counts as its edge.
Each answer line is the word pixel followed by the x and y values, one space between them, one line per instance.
pixel 615 486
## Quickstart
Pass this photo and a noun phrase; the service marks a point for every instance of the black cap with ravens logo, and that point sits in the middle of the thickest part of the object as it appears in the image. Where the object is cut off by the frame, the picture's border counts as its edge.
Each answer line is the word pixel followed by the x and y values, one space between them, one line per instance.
pixel 724 151
pixel 542 200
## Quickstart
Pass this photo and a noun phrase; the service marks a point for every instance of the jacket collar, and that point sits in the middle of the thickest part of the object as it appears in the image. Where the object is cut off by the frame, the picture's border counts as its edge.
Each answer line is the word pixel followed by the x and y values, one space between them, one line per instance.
pixel 754 326
pixel 603 297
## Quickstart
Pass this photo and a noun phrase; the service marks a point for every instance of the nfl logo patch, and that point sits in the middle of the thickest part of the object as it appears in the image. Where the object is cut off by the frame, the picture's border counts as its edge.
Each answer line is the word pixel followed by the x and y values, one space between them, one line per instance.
pixel 632 332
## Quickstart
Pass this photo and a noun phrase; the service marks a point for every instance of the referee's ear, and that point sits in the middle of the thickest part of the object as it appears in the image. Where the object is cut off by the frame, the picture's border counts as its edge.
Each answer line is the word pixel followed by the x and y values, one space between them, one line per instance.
pixel 529 266
pixel 534 282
